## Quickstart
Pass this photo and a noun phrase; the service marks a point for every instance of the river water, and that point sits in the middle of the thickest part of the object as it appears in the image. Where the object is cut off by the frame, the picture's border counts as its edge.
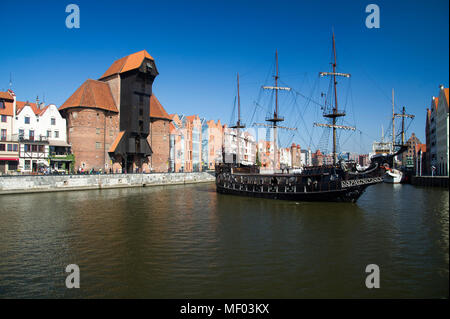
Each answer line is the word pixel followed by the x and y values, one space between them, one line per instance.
pixel 190 242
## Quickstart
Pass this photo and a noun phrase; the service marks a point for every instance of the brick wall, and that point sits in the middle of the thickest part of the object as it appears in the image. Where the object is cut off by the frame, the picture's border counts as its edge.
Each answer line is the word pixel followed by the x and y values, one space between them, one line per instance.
pixel 160 144
pixel 91 132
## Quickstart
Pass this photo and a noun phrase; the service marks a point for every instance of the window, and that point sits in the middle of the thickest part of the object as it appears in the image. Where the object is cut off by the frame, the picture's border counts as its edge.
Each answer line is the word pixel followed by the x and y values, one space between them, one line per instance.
pixel 49 133
pixel 53 121
pixel 98 145
pixel 31 135
pixel 27 120
pixel 56 134
pixel 27 147
pixel 2 104
pixel 2 147
pixel 27 165
pixel 34 148
pixel 41 148
pixel 15 147
pixel 3 136
pixel 97 131
pixel 21 133
pixel 3 118
pixel 10 147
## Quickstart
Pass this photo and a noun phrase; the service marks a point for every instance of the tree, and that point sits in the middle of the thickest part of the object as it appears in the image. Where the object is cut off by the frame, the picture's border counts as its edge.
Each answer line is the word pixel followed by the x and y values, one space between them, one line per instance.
pixel 258 162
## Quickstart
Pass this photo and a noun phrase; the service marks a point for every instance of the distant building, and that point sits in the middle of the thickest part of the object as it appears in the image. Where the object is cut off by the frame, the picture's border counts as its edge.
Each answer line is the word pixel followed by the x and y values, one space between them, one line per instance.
pixel 432 135
pixel 296 156
pixel 426 156
pixel 317 158
pixel 442 133
pixel 285 157
pixel 306 157
pixel 178 144
pixel 212 139
pixel 193 127
pixel 363 160
pixel 159 136
pixel 247 146
pixel 410 153
pixel 265 153
pixel 9 145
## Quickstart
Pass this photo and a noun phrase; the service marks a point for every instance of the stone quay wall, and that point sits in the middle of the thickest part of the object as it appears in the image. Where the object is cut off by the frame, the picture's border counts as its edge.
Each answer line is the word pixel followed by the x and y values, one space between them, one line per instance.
pixel 29 184
pixel 431 181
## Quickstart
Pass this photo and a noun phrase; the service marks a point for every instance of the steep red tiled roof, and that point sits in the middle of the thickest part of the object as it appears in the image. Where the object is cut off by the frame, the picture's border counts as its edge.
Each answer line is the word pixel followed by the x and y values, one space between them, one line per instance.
pixel 20 105
pixel 192 118
pixel 6 96
pixel 8 110
pixel 113 147
pixel 434 103
pixel 92 94
pixel 130 62
pixel 43 110
pixel 157 110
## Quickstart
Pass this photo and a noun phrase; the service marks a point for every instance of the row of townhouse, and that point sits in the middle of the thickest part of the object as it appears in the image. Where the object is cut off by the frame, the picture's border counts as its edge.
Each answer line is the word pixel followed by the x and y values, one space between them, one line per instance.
pixel 198 144
pixel 436 157
pixel 289 157
pixel 33 137
pixel 113 124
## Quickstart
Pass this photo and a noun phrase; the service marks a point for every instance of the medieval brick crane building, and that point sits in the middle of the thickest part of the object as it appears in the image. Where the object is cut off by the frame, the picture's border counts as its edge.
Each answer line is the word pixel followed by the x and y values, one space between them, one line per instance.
pixel 109 120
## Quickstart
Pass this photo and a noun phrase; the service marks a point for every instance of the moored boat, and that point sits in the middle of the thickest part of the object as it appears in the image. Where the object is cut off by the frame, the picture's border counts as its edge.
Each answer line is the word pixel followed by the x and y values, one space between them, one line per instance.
pixel 341 181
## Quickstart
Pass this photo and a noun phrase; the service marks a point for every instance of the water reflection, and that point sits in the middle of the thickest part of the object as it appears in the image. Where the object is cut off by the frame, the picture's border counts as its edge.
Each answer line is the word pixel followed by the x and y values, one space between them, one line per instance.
pixel 190 242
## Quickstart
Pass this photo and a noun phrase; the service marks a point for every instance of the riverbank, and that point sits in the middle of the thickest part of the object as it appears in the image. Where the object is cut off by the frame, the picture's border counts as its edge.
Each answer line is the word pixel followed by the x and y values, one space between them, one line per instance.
pixel 32 184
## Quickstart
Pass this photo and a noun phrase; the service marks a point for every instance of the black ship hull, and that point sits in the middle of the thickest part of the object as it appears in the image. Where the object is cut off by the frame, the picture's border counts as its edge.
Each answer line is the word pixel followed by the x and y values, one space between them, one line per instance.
pixel 344 195
pixel 336 183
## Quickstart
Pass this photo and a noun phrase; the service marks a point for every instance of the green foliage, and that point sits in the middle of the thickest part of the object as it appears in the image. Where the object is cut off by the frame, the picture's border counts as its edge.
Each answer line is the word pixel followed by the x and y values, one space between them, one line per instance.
pixel 258 162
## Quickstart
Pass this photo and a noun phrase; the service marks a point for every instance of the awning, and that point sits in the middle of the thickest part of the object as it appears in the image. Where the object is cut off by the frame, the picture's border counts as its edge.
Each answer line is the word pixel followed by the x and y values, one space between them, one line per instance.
pixel 9 159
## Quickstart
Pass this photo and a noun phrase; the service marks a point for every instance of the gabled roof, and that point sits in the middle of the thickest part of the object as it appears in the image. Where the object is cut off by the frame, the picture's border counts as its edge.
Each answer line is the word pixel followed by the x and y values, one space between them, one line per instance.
pixel 6 96
pixel 128 63
pixel 42 111
pixel 92 94
pixel 192 118
pixel 157 110
pixel 20 105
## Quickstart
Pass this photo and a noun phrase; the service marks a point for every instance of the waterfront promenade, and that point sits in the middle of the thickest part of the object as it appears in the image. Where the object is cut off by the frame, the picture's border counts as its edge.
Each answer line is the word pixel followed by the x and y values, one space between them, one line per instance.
pixel 54 183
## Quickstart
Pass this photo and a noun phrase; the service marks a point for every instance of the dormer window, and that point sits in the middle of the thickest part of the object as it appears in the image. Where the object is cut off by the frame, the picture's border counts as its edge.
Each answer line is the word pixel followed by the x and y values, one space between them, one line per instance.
pixel 2 104
pixel 149 66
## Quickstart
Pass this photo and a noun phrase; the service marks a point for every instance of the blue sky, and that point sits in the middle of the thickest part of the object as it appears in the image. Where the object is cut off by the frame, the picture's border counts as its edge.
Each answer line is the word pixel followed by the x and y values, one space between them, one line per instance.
pixel 199 46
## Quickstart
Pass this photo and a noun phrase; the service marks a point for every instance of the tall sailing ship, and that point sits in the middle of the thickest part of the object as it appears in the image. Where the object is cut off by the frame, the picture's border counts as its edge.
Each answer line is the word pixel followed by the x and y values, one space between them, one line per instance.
pixel 394 175
pixel 340 181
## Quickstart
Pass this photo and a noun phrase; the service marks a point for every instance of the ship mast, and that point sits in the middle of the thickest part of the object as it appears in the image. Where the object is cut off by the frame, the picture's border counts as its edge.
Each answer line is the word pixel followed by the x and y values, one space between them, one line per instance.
pixel 238 125
pixel 335 113
pixel 276 118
